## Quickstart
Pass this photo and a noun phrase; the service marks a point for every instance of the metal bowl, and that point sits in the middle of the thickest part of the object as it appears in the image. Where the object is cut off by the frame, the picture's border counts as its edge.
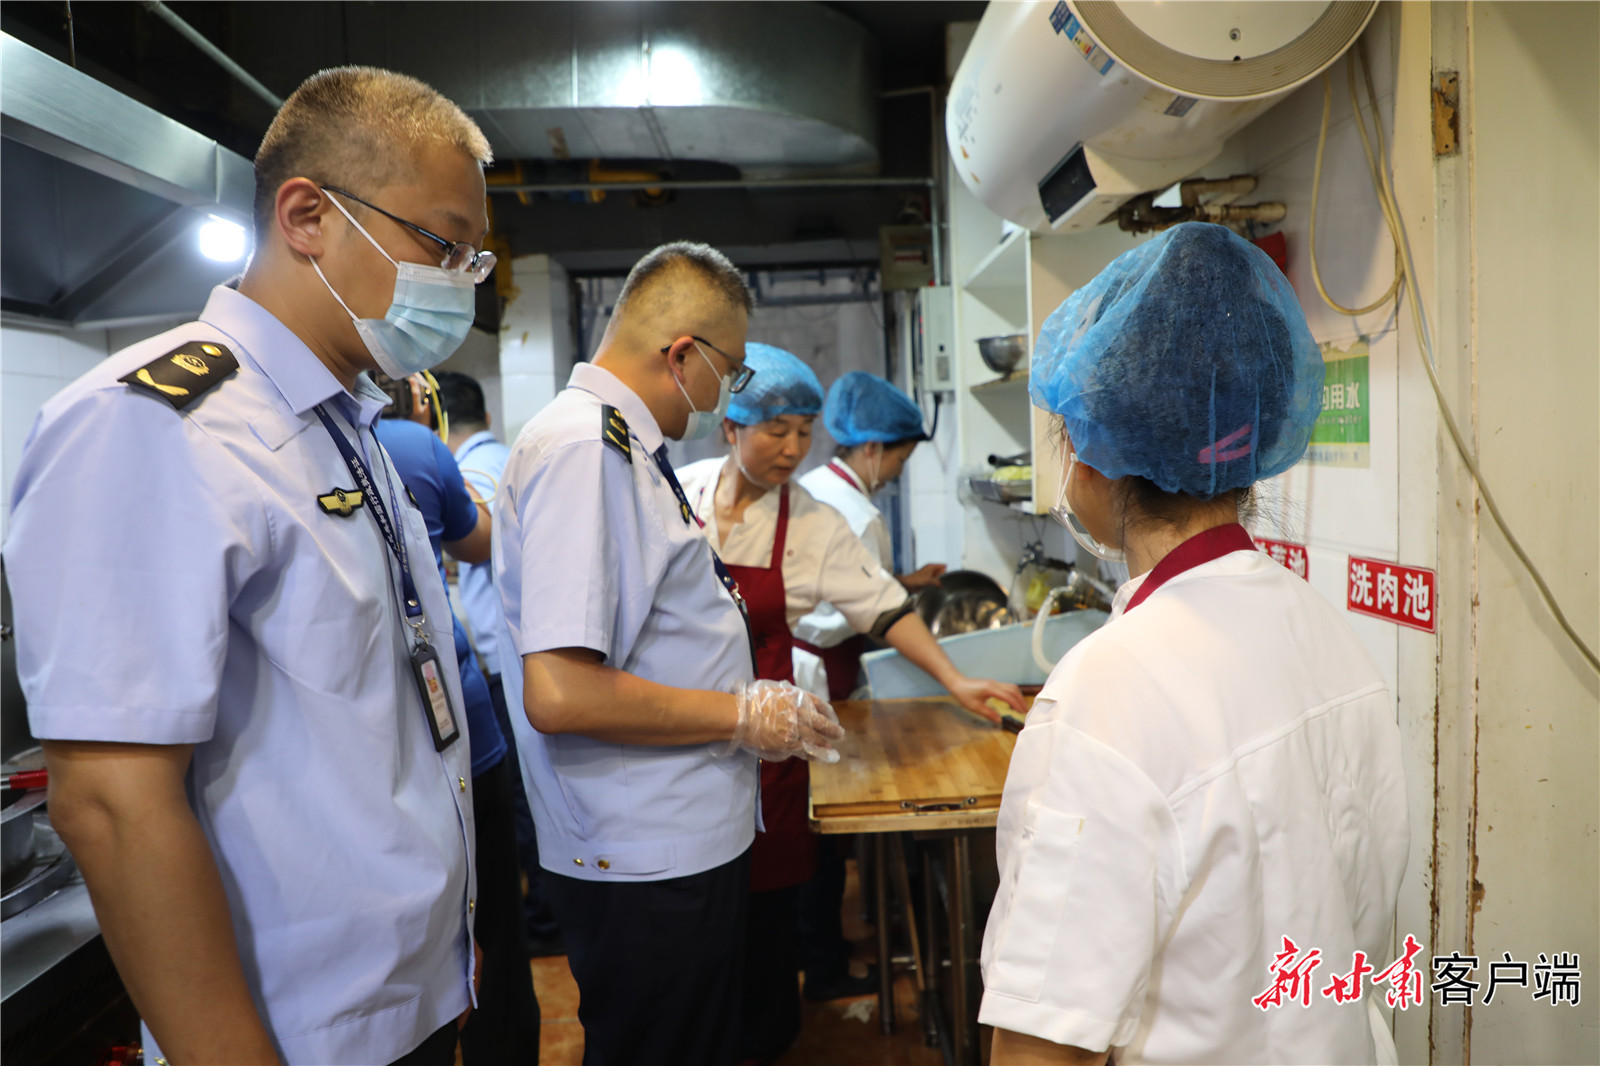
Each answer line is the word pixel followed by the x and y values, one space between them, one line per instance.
pixel 963 601
pixel 1002 354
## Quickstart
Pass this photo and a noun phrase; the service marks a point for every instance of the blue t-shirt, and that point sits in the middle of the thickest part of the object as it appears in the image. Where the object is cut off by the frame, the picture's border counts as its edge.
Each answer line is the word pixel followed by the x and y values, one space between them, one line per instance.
pixel 430 472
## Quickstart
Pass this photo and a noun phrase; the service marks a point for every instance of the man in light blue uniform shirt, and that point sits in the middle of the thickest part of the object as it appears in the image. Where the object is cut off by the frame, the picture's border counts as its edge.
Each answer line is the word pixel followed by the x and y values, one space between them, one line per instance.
pixel 641 720
pixel 482 459
pixel 213 565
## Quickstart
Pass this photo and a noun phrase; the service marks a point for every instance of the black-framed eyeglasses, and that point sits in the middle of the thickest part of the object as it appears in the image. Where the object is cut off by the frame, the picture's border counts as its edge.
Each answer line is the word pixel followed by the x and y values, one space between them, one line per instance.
pixel 459 256
pixel 741 373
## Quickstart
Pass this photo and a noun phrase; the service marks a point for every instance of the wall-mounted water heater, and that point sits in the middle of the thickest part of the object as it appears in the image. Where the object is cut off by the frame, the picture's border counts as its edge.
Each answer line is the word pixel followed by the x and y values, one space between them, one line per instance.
pixel 1062 110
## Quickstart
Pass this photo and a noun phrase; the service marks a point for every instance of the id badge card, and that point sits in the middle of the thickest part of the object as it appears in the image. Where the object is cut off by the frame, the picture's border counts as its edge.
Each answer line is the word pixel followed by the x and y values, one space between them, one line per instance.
pixel 435 696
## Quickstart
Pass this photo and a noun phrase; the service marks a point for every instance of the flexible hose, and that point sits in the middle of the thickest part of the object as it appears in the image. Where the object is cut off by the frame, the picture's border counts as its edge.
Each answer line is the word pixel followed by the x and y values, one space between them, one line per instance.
pixel 1316 195
pixel 1039 657
pixel 1378 166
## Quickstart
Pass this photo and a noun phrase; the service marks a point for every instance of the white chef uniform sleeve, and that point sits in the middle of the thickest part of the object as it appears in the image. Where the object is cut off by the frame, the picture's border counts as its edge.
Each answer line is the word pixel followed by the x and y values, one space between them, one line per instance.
pixel 589 563
pixel 131 535
pixel 1089 875
pixel 852 580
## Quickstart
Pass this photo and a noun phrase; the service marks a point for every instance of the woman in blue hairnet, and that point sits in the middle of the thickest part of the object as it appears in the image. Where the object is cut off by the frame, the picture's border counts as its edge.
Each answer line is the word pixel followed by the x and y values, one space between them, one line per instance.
pixel 1215 774
pixel 876 427
pixel 788 553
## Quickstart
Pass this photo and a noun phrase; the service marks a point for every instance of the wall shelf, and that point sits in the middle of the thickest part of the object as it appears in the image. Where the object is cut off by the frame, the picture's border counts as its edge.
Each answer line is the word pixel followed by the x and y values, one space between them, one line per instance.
pixel 1005 384
pixel 1002 267
pixel 1000 280
pixel 1020 506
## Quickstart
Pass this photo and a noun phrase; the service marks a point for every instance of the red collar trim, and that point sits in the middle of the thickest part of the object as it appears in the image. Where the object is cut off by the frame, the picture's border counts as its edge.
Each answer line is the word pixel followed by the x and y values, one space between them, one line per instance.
pixel 848 475
pixel 1198 550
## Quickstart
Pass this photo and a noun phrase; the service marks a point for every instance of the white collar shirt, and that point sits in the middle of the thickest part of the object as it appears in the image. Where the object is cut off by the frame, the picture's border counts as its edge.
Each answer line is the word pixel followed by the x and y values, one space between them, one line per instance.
pixel 482 459
pixel 1210 772
pixel 592 550
pixel 176 582
pixel 823 560
pixel 837 486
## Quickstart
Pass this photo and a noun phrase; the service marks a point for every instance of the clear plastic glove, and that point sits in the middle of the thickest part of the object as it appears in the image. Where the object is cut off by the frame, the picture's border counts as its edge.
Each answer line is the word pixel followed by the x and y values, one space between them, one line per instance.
pixel 777 720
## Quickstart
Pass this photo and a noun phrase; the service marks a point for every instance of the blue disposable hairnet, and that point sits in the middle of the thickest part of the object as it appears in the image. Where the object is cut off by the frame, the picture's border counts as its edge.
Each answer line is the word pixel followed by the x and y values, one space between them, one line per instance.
pixel 863 407
pixel 1186 361
pixel 783 385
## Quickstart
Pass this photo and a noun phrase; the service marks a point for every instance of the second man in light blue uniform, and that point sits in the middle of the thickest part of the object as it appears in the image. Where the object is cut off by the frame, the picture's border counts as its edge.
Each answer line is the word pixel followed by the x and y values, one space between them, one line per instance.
pixel 641 722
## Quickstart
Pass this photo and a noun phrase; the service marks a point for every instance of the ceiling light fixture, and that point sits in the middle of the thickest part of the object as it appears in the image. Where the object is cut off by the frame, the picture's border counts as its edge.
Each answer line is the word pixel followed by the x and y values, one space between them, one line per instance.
pixel 222 240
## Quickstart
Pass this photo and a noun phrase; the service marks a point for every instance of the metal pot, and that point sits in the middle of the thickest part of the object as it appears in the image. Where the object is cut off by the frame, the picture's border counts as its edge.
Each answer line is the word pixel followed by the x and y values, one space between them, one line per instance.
pixel 1085 593
pixel 1002 354
pixel 16 832
pixel 963 601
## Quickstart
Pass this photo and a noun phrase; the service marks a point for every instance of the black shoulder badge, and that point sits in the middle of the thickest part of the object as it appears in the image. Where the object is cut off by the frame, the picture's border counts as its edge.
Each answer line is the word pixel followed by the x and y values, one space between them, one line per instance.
pixel 614 431
pixel 186 373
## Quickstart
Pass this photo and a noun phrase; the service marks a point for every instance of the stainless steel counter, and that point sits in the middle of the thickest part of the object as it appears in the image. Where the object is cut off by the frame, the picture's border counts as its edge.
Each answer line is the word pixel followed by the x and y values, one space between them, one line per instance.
pixel 61 1001
pixel 37 940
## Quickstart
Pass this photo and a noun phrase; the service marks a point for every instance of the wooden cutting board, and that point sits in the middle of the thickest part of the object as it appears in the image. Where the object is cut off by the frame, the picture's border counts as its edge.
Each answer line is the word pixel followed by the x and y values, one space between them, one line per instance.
pixel 910 764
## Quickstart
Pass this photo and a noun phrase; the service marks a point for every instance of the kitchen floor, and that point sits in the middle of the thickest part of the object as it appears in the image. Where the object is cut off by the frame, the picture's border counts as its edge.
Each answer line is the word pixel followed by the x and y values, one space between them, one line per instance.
pixel 839 1033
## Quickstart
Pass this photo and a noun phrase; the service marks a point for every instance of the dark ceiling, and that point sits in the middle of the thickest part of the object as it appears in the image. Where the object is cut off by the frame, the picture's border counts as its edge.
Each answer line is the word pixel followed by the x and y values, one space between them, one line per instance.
pixel 127 47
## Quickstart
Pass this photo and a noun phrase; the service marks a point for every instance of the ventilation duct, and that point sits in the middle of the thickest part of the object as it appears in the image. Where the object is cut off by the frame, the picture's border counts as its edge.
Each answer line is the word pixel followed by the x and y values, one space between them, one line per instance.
pixel 774 89
pixel 105 199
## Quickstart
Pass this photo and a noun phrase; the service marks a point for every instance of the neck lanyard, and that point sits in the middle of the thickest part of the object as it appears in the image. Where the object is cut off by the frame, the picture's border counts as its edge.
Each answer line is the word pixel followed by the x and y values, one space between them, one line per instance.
pixel 479 439
pixel 1199 549
pixel 412 603
pixel 665 466
pixel 847 478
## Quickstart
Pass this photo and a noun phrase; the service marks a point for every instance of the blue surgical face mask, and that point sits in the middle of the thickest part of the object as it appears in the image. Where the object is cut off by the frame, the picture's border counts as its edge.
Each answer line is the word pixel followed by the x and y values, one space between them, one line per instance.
pixel 1062 512
pixel 428 318
pixel 703 423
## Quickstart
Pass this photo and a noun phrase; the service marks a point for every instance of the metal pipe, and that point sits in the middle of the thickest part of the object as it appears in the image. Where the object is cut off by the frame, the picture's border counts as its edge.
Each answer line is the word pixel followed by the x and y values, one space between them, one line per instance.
pixel 885 964
pixel 931 1027
pixel 1263 212
pixel 720 183
pixel 890 94
pixel 956 887
pixel 222 59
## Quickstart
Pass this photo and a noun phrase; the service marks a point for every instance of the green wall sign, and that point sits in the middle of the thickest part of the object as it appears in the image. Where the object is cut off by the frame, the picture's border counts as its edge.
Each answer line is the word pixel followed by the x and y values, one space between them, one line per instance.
pixel 1342 435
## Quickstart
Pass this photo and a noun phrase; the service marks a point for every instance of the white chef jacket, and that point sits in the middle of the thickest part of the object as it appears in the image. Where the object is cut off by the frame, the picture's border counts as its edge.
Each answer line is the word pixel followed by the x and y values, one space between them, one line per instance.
pixel 1214 770
pixel 838 486
pixel 178 582
pixel 824 561
pixel 592 550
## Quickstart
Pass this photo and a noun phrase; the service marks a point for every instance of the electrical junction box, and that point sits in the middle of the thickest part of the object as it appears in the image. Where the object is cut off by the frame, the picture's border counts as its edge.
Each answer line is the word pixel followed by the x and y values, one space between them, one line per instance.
pixel 905 256
pixel 937 306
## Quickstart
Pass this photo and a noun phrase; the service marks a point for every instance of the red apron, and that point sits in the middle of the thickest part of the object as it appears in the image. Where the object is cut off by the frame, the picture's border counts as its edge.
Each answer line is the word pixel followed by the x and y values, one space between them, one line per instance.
pixel 786 854
pixel 843 663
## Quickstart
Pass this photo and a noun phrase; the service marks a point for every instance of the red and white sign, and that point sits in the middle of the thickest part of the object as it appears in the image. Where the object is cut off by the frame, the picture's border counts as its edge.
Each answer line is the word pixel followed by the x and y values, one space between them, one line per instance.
pixel 1286 554
pixel 1406 595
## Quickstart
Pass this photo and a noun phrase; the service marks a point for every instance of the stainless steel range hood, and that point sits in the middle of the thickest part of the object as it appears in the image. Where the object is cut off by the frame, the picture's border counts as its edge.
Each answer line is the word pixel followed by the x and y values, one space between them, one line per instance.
pixel 775 89
pixel 103 200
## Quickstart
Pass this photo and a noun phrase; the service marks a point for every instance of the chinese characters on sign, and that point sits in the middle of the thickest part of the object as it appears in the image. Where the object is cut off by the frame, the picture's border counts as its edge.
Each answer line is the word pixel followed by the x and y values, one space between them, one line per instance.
pixel 1395 593
pixel 1286 554
pixel 1557 978
pixel 1342 434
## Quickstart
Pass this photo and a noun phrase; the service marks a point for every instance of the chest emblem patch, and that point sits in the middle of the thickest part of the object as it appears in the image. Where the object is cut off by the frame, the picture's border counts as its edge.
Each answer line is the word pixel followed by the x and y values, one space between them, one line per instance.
pixel 342 502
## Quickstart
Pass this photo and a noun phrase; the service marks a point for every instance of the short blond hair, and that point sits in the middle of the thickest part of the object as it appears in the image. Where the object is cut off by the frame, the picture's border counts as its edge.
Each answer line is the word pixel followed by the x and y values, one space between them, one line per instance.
pixel 357 127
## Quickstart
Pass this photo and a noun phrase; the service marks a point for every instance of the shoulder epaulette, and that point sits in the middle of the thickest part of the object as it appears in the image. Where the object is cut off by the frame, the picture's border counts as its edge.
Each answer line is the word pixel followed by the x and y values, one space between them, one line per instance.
pixel 614 431
pixel 185 374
